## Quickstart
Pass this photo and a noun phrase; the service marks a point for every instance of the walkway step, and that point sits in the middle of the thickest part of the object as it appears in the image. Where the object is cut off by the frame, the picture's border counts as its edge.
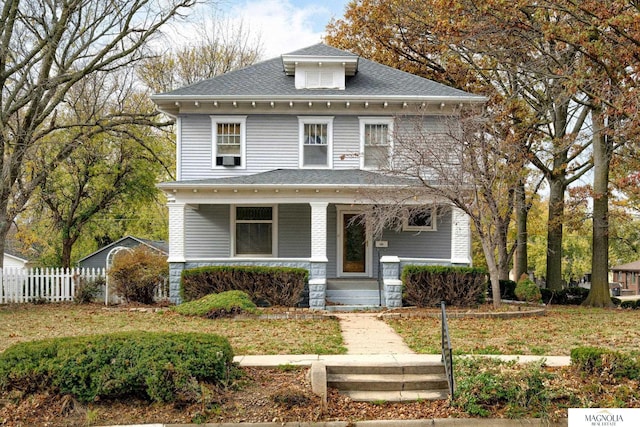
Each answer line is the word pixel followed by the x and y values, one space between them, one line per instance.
pixel 394 382
pixel 405 368
pixel 396 396
pixel 387 382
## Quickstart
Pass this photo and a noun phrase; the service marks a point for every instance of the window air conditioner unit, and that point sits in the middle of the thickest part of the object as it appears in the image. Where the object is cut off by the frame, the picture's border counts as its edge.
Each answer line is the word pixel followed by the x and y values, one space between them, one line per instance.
pixel 227 161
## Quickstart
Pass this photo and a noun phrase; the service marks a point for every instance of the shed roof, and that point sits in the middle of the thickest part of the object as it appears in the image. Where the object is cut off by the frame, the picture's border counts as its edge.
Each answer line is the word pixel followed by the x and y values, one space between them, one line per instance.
pixel 160 246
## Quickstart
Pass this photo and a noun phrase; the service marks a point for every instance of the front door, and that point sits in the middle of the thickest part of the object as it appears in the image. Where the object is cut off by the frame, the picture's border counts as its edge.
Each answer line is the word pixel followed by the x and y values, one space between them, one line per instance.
pixel 353 244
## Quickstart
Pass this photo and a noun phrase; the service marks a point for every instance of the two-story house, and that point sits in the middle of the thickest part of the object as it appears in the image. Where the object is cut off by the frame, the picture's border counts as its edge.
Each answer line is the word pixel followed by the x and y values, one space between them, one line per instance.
pixel 273 161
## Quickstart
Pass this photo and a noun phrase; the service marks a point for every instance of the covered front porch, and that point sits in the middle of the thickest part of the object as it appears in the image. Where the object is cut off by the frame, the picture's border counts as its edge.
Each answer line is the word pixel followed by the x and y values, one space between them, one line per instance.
pixel 315 227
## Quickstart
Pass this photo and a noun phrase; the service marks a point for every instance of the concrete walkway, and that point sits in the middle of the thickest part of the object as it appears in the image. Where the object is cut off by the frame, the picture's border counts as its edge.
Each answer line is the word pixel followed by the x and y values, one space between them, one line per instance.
pixel 366 333
pixel 370 340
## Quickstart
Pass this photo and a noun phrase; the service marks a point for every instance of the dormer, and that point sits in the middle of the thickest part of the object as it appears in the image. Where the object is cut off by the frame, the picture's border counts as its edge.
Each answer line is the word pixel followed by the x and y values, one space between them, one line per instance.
pixel 320 72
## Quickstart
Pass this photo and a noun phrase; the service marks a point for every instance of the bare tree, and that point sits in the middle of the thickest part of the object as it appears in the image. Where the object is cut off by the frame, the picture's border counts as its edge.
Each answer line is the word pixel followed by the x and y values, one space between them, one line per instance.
pixel 467 164
pixel 46 48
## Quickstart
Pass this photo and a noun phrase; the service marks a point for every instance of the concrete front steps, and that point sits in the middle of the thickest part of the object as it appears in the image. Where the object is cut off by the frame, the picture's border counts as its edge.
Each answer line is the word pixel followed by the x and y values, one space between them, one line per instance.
pixel 352 294
pixel 389 382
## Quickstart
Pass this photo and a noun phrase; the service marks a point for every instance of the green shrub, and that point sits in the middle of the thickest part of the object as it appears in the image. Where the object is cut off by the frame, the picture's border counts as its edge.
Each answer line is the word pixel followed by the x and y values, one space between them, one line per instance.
pixel 136 274
pixel 595 361
pixel 484 383
pixel 217 305
pixel 616 301
pixel 507 289
pixel 628 304
pixel 160 367
pixel 87 290
pixel 568 296
pixel 276 286
pixel 426 286
pixel 527 291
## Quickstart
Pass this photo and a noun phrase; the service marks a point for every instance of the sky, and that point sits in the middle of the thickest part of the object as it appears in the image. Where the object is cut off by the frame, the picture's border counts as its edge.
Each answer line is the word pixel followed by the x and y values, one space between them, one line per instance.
pixel 284 25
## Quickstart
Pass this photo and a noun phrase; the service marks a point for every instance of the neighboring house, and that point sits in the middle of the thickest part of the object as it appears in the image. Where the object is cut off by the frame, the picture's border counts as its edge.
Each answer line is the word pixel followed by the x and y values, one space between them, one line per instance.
pixel 266 172
pixel 98 259
pixel 628 275
pixel 14 260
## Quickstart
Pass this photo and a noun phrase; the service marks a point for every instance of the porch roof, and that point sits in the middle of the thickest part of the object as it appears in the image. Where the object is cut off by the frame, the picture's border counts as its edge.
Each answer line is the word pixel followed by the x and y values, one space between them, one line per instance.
pixel 327 178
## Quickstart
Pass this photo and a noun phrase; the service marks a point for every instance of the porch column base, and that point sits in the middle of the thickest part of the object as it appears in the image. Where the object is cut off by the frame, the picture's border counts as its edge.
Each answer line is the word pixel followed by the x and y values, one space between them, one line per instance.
pixel 318 285
pixel 391 281
pixel 175 274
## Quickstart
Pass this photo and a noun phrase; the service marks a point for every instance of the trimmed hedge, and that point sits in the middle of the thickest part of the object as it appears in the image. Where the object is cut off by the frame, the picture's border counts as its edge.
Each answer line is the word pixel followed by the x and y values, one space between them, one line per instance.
pixel 426 286
pixel 161 367
pixel 275 286
pixel 217 305
pixel 596 361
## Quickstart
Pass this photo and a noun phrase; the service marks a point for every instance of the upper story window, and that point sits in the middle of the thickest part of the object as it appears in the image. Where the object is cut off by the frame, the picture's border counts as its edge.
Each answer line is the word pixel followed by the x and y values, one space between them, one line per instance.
pixel 375 142
pixel 316 142
pixel 229 145
pixel 419 220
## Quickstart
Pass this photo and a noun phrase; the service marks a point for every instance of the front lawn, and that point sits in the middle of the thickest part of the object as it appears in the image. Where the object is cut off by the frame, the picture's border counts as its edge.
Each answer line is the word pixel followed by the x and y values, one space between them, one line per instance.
pixel 28 322
pixel 554 334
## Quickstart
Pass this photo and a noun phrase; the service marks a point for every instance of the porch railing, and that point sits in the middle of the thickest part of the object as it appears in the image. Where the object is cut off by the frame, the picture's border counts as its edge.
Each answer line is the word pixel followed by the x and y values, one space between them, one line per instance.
pixel 447 351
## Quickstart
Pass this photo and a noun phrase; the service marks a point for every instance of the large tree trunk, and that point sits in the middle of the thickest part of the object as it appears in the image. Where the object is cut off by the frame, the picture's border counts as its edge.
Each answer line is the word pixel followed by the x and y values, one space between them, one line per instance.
pixel 494 275
pixel 599 293
pixel 521 260
pixel 5 225
pixel 554 232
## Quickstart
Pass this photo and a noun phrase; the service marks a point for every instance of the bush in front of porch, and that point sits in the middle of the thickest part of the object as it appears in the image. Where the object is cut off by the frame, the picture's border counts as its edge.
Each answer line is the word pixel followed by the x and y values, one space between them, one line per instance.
pixel 274 286
pixel 426 286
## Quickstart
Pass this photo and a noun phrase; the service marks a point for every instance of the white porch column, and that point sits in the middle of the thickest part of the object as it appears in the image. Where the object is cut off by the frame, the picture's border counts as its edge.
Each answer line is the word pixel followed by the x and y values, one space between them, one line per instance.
pixel 319 231
pixel 176 231
pixel 460 237
pixel 318 271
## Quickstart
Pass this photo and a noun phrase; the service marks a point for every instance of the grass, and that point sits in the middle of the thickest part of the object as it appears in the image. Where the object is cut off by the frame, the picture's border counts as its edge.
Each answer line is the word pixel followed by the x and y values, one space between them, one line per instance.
pixel 556 333
pixel 28 322
pixel 553 334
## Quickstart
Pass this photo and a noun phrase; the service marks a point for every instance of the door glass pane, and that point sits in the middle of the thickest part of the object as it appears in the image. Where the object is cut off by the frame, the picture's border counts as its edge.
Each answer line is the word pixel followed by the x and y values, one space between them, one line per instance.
pixel 354 253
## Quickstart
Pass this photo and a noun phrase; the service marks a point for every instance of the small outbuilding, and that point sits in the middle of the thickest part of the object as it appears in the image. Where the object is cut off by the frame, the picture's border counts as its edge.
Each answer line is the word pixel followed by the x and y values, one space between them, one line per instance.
pixel 99 258
pixel 628 275
pixel 14 260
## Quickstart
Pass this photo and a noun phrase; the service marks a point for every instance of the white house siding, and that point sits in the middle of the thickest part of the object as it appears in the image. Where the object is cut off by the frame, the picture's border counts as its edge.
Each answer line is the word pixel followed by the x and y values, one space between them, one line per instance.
pixel 424 244
pixel 207 232
pixel 272 143
pixel 346 142
pixel 196 146
pixel 294 231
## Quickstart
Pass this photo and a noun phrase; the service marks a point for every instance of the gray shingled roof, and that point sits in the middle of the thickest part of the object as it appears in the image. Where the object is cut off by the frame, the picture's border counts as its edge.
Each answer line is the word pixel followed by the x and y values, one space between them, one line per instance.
pixel 632 266
pixel 301 177
pixel 267 79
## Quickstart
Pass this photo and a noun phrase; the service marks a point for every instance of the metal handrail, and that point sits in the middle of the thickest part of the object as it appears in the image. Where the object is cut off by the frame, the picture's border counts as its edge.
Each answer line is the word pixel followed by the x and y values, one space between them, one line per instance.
pixel 447 351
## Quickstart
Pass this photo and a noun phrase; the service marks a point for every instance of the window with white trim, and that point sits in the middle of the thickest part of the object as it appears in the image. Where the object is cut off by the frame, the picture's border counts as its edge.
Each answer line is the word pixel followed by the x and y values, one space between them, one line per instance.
pixel 254 230
pixel 423 219
pixel 316 142
pixel 229 141
pixel 375 142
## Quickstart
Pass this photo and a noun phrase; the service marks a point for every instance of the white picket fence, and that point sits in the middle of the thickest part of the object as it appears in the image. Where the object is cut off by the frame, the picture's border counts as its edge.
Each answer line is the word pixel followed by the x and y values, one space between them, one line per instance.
pixel 18 285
